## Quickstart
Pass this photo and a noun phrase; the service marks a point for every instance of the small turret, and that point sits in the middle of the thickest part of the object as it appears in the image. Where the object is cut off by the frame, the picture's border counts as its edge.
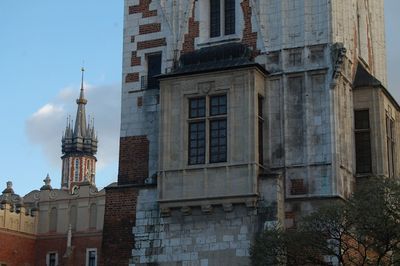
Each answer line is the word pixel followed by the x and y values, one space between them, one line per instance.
pixel 47 182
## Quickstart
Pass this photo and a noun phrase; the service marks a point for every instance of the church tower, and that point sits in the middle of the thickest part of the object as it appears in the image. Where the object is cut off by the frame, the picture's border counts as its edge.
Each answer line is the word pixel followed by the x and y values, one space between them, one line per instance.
pixel 79 146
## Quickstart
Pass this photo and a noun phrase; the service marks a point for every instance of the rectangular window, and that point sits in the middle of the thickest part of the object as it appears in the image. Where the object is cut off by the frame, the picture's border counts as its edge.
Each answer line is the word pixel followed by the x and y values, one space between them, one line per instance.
pixel 91 257
pixel 390 144
pixel 197 141
pixel 229 17
pixel 52 259
pixel 260 130
pixel 215 122
pixel 153 69
pixel 363 142
pixel 224 9
pixel 218 141
pixel 197 107
pixel 215 18
pixel 218 105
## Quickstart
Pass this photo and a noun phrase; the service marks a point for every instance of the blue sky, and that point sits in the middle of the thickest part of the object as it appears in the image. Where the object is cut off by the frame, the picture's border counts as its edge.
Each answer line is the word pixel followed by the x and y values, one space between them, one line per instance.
pixel 43 45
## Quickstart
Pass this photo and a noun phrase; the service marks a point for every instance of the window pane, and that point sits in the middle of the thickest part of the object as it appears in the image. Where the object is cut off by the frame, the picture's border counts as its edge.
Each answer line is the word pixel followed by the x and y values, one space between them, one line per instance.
pixel 215 18
pixel 363 152
pixel 197 142
pixel 92 258
pixel 153 69
pixel 218 141
pixel 218 105
pixel 197 107
pixel 361 119
pixel 52 259
pixel 229 17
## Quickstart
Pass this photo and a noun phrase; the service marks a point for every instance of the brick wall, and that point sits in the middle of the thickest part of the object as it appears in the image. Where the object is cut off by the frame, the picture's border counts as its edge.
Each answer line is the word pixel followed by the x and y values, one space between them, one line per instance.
pixel 144 8
pixel 149 28
pixel 119 218
pixel 151 44
pixel 132 77
pixel 58 243
pixel 17 249
pixel 249 37
pixel 193 32
pixel 133 160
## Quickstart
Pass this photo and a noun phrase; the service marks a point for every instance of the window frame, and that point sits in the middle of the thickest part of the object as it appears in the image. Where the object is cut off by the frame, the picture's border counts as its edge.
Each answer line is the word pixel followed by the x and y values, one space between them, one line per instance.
pixel 55 257
pixel 390 144
pixel 88 250
pixel 362 131
pixel 222 18
pixel 208 120
pixel 147 82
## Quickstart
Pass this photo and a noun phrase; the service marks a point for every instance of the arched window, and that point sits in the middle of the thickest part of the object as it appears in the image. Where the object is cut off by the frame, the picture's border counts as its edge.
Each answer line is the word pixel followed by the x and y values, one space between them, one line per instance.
pixel 76 173
pixel 93 216
pixel 73 217
pixel 53 220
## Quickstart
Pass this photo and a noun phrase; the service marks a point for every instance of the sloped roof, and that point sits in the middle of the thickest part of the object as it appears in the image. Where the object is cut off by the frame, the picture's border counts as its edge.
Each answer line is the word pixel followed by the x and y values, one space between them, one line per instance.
pixel 215 58
pixel 364 79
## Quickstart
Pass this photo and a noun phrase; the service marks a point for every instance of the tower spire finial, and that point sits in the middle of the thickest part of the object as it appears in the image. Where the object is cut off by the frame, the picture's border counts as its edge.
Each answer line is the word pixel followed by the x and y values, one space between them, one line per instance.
pixel 82 95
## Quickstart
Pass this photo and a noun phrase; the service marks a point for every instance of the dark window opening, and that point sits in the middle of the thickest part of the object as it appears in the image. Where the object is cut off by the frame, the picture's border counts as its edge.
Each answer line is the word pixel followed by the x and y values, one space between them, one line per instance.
pixel 229 17
pixel 218 105
pixel 197 142
pixel 218 142
pixel 207 114
pixel 363 142
pixel 92 258
pixel 153 69
pixel 215 18
pixel 52 259
pixel 390 144
pixel 197 107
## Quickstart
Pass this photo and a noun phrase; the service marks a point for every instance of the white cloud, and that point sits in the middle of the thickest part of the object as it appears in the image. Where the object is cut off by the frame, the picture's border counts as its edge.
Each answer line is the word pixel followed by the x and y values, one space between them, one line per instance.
pixel 45 126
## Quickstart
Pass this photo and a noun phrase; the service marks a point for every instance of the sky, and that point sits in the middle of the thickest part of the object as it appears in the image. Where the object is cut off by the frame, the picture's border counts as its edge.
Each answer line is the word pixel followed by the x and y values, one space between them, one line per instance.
pixel 43 45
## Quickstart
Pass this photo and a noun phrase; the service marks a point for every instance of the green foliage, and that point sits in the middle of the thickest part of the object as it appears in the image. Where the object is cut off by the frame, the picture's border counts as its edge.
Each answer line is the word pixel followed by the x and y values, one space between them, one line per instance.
pixel 365 230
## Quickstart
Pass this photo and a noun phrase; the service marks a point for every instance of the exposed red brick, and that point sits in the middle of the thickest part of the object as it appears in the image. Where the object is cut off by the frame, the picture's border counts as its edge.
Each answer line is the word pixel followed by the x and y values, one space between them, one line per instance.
pixel 135 61
pixel 58 243
pixel 132 77
pixel 298 187
pixel 133 160
pixel 249 37
pixel 119 219
pixel 149 28
pixel 144 8
pixel 193 33
pixel 151 44
pixel 17 248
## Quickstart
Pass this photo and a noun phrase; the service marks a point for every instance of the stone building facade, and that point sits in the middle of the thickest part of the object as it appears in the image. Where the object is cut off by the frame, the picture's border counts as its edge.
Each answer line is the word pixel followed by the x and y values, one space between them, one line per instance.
pixel 58 227
pixel 237 114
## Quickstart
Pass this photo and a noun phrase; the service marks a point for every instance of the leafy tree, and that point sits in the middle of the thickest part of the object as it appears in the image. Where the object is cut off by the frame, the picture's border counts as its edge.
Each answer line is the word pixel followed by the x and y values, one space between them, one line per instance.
pixel 365 230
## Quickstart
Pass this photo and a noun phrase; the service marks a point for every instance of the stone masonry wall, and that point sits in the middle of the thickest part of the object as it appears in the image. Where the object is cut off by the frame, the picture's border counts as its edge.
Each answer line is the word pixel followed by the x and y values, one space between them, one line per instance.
pixel 218 238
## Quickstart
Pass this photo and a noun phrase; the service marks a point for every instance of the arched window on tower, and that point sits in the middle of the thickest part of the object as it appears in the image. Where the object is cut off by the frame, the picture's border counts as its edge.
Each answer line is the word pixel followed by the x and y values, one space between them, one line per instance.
pixel 76 173
pixel 73 217
pixel 53 220
pixel 93 216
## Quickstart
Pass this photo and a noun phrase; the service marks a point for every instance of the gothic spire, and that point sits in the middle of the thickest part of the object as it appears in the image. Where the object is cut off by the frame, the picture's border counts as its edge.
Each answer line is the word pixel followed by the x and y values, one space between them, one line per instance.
pixel 80 122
